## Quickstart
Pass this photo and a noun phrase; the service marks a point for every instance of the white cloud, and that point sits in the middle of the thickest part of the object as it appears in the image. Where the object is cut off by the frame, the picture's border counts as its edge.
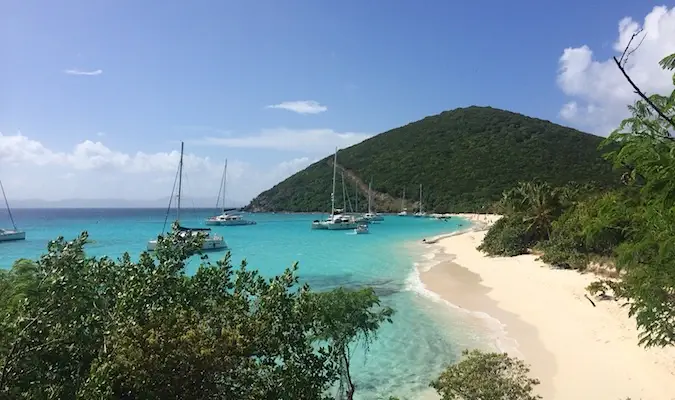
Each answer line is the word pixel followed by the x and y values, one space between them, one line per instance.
pixel 321 141
pixel 92 170
pixel 81 72
pixel 301 107
pixel 599 91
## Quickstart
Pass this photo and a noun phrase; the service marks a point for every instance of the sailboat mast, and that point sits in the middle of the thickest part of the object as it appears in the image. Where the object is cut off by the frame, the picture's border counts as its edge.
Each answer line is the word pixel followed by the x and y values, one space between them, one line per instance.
pixel 403 200
pixel 356 197
pixel 344 194
pixel 224 183
pixel 332 195
pixel 420 197
pixel 220 189
pixel 9 211
pixel 180 180
pixel 370 191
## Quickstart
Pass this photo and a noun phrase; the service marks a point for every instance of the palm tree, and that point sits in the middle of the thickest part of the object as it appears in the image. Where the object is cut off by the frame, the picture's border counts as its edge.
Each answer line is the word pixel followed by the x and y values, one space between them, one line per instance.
pixel 540 206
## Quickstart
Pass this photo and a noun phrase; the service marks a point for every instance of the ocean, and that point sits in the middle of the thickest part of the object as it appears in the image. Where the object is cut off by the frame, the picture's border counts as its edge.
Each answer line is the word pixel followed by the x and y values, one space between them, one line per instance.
pixel 426 335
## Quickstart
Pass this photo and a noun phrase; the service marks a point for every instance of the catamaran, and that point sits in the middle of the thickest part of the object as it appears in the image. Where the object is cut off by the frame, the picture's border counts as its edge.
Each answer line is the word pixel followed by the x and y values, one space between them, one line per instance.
pixel 337 220
pixel 8 235
pixel 370 215
pixel 211 242
pixel 226 219
pixel 404 211
pixel 421 212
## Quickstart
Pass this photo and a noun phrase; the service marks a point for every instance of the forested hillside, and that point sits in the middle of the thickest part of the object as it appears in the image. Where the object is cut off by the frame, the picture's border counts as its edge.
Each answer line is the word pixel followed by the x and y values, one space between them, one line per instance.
pixel 464 158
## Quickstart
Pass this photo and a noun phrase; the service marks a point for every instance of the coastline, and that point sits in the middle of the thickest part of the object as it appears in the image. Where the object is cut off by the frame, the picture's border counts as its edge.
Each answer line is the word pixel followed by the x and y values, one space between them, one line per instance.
pixel 576 350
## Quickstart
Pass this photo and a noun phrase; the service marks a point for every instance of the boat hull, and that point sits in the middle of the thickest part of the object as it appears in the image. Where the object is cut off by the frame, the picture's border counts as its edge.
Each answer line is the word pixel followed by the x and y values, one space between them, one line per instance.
pixel 208 245
pixel 342 226
pixel 240 222
pixel 10 236
pixel 316 225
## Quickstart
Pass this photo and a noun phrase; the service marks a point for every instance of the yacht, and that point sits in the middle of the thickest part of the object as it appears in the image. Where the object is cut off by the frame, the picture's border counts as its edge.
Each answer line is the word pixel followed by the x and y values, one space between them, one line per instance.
pixel 211 242
pixel 10 235
pixel 371 216
pixel 226 219
pixel 337 220
pixel 404 211
pixel 421 212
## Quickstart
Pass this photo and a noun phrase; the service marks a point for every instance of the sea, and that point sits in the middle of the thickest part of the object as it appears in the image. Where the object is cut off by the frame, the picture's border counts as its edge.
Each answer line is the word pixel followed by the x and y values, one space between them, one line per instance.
pixel 427 334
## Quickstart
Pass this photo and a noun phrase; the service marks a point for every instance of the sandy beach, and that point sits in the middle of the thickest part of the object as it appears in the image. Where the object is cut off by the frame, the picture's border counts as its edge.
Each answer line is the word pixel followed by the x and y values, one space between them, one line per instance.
pixel 577 351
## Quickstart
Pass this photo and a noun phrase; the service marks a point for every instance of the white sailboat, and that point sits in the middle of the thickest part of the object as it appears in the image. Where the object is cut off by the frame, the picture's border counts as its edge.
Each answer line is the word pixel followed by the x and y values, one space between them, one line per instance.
pixel 211 242
pixel 225 218
pixel 370 215
pixel 404 211
pixel 8 235
pixel 336 220
pixel 421 212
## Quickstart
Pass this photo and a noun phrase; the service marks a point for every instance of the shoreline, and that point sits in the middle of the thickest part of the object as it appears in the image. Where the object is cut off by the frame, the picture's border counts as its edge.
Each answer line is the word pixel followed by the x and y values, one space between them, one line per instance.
pixel 576 350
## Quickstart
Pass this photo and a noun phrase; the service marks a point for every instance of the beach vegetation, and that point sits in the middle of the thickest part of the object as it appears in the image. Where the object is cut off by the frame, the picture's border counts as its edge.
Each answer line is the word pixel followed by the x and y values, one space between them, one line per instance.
pixel 486 376
pixel 464 158
pixel 74 326
pixel 630 227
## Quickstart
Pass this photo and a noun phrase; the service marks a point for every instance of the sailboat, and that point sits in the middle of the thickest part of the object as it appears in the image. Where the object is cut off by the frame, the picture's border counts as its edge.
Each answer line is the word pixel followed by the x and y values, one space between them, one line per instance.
pixel 7 235
pixel 225 219
pixel 336 220
pixel 421 212
pixel 211 242
pixel 370 215
pixel 404 211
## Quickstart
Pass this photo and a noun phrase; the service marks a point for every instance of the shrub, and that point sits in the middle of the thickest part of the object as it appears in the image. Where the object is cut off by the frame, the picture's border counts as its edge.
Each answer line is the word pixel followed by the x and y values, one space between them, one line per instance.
pixel 509 236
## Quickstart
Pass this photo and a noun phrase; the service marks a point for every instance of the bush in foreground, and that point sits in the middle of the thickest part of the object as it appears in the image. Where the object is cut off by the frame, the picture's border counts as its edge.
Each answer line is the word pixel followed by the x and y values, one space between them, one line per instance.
pixel 486 376
pixel 73 326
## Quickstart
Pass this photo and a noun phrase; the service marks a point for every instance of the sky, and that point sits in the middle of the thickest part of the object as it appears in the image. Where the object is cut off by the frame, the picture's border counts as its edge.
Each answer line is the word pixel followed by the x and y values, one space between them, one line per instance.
pixel 96 95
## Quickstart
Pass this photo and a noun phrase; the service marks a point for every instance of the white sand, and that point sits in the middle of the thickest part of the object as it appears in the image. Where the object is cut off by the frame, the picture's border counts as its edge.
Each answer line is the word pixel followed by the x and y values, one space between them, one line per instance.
pixel 578 351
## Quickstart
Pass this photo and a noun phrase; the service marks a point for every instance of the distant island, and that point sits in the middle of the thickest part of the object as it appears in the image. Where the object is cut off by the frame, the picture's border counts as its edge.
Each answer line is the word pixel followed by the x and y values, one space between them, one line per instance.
pixel 464 158
pixel 196 202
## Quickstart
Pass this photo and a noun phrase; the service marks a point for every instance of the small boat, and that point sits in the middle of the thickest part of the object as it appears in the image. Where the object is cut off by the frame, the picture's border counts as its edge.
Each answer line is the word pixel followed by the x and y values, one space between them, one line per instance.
pixel 225 219
pixel 211 242
pixel 10 235
pixel 361 229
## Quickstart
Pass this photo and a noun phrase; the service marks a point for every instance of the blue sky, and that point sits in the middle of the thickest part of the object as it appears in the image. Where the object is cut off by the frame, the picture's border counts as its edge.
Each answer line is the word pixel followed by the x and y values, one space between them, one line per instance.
pixel 204 72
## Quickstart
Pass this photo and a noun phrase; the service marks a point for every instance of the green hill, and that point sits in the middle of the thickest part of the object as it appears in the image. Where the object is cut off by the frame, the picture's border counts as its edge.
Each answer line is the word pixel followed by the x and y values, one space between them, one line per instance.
pixel 464 159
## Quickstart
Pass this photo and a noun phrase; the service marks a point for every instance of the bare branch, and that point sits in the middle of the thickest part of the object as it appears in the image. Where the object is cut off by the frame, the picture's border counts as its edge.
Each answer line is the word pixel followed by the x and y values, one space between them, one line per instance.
pixel 641 94
pixel 625 60
pixel 624 57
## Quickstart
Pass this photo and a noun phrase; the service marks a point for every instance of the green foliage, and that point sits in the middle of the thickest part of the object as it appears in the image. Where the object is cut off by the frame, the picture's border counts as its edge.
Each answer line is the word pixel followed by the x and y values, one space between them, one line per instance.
pixel 80 327
pixel 590 229
pixel 465 159
pixel 647 259
pixel 486 376
pixel 507 237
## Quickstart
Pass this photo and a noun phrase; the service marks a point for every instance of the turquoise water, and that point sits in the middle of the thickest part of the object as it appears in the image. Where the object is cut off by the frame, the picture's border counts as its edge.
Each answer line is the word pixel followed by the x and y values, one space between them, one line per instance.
pixel 406 355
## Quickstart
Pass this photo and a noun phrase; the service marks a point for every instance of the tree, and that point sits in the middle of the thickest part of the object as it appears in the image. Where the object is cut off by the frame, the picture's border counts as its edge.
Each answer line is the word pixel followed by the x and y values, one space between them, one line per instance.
pixel 486 376
pixel 82 327
pixel 645 143
pixel 346 318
